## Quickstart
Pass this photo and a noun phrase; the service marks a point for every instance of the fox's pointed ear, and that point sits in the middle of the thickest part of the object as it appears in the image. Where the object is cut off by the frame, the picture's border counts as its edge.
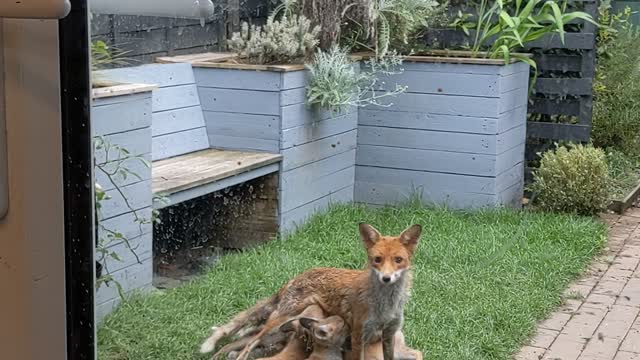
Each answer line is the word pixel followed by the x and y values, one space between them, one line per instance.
pixel 409 238
pixel 369 235
pixel 308 323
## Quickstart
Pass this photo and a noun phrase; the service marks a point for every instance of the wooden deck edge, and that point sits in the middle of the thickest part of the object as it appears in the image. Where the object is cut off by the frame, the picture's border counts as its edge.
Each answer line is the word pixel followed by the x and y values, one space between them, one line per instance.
pixel 121 89
pixel 619 206
pixel 225 61
pixel 449 57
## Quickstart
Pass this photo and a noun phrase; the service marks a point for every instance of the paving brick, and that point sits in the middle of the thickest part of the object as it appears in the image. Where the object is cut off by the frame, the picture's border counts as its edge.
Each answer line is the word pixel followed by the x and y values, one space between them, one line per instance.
pixel 584 323
pixel 605 323
pixel 566 347
pixel 556 321
pixel 544 338
pixel 599 301
pixel 571 306
pixel 609 287
pixel 588 281
pixel 600 265
pixel 633 211
pixel 632 249
pixel 631 343
pixel 610 218
pixel 630 295
pixel 600 348
pixel 581 290
pixel 617 272
pixel 623 355
pixel 530 353
pixel 617 322
pixel 621 229
pixel 628 258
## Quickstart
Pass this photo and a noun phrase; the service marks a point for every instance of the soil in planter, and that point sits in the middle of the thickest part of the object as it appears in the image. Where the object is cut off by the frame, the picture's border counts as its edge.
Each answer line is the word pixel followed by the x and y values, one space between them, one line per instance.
pixel 193 235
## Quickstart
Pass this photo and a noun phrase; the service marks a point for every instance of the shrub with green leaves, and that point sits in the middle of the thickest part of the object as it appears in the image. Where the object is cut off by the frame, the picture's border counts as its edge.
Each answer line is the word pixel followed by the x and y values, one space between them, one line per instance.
pixel 616 109
pixel 288 40
pixel 572 179
pixel 336 82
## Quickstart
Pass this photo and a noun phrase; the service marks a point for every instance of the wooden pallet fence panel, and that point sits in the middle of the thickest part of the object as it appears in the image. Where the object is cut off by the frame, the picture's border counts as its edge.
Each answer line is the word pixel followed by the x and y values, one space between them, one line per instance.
pixel 553 131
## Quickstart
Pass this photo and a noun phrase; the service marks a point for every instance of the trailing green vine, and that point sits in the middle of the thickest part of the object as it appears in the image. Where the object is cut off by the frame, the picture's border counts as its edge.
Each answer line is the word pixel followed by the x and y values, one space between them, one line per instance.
pixel 115 167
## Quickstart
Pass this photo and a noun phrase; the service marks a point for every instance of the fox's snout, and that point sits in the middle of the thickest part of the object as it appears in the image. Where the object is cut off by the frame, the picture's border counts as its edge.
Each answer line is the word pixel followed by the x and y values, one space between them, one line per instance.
pixel 389 277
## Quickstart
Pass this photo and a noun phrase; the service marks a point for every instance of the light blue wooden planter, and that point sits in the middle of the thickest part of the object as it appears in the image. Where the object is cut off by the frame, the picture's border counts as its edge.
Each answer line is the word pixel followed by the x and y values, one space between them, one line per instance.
pixel 265 111
pixel 455 139
pixel 123 118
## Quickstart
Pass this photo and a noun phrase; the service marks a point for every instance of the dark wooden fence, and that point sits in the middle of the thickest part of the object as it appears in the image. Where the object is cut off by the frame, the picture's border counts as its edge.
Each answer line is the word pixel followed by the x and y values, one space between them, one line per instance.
pixel 560 107
pixel 142 38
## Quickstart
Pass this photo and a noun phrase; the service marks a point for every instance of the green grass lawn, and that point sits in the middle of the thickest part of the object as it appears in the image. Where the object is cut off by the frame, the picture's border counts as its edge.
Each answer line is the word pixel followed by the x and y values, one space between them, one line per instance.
pixel 481 281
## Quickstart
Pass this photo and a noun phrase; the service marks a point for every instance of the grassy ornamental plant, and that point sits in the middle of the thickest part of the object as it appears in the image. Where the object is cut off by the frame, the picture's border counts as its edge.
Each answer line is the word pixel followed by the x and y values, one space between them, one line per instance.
pixel 507 25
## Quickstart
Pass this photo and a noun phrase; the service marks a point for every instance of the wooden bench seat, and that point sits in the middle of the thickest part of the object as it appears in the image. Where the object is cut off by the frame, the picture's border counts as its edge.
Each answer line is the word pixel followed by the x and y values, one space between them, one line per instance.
pixel 186 177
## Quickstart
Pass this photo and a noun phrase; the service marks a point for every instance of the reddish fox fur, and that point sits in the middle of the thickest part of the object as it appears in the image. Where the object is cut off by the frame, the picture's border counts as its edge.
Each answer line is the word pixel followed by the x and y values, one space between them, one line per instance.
pixel 370 301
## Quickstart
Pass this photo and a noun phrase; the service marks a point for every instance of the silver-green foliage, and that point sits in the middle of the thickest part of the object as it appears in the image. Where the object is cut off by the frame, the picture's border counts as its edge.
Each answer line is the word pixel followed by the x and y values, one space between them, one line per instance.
pixel 384 25
pixel 337 83
pixel 288 40
pixel 573 179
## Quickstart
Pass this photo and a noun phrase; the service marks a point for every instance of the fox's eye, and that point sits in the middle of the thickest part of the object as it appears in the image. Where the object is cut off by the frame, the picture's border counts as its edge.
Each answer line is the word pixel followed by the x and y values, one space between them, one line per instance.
pixel 377 259
pixel 398 259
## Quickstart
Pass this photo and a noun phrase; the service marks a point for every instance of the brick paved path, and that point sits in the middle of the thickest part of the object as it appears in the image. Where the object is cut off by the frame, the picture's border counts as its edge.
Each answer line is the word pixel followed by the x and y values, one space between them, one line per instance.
pixel 600 318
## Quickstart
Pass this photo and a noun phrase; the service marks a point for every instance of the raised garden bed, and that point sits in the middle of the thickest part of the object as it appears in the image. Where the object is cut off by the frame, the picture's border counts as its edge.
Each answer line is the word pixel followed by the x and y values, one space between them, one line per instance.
pixel 455 138
pixel 262 108
pixel 121 115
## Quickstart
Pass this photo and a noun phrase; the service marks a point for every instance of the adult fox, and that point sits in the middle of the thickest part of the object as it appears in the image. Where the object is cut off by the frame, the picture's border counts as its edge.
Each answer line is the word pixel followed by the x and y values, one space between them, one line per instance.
pixel 370 301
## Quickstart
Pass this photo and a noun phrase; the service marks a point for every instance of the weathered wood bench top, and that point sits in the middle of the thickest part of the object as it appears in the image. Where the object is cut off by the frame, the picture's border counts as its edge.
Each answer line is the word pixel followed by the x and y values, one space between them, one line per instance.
pixel 195 174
